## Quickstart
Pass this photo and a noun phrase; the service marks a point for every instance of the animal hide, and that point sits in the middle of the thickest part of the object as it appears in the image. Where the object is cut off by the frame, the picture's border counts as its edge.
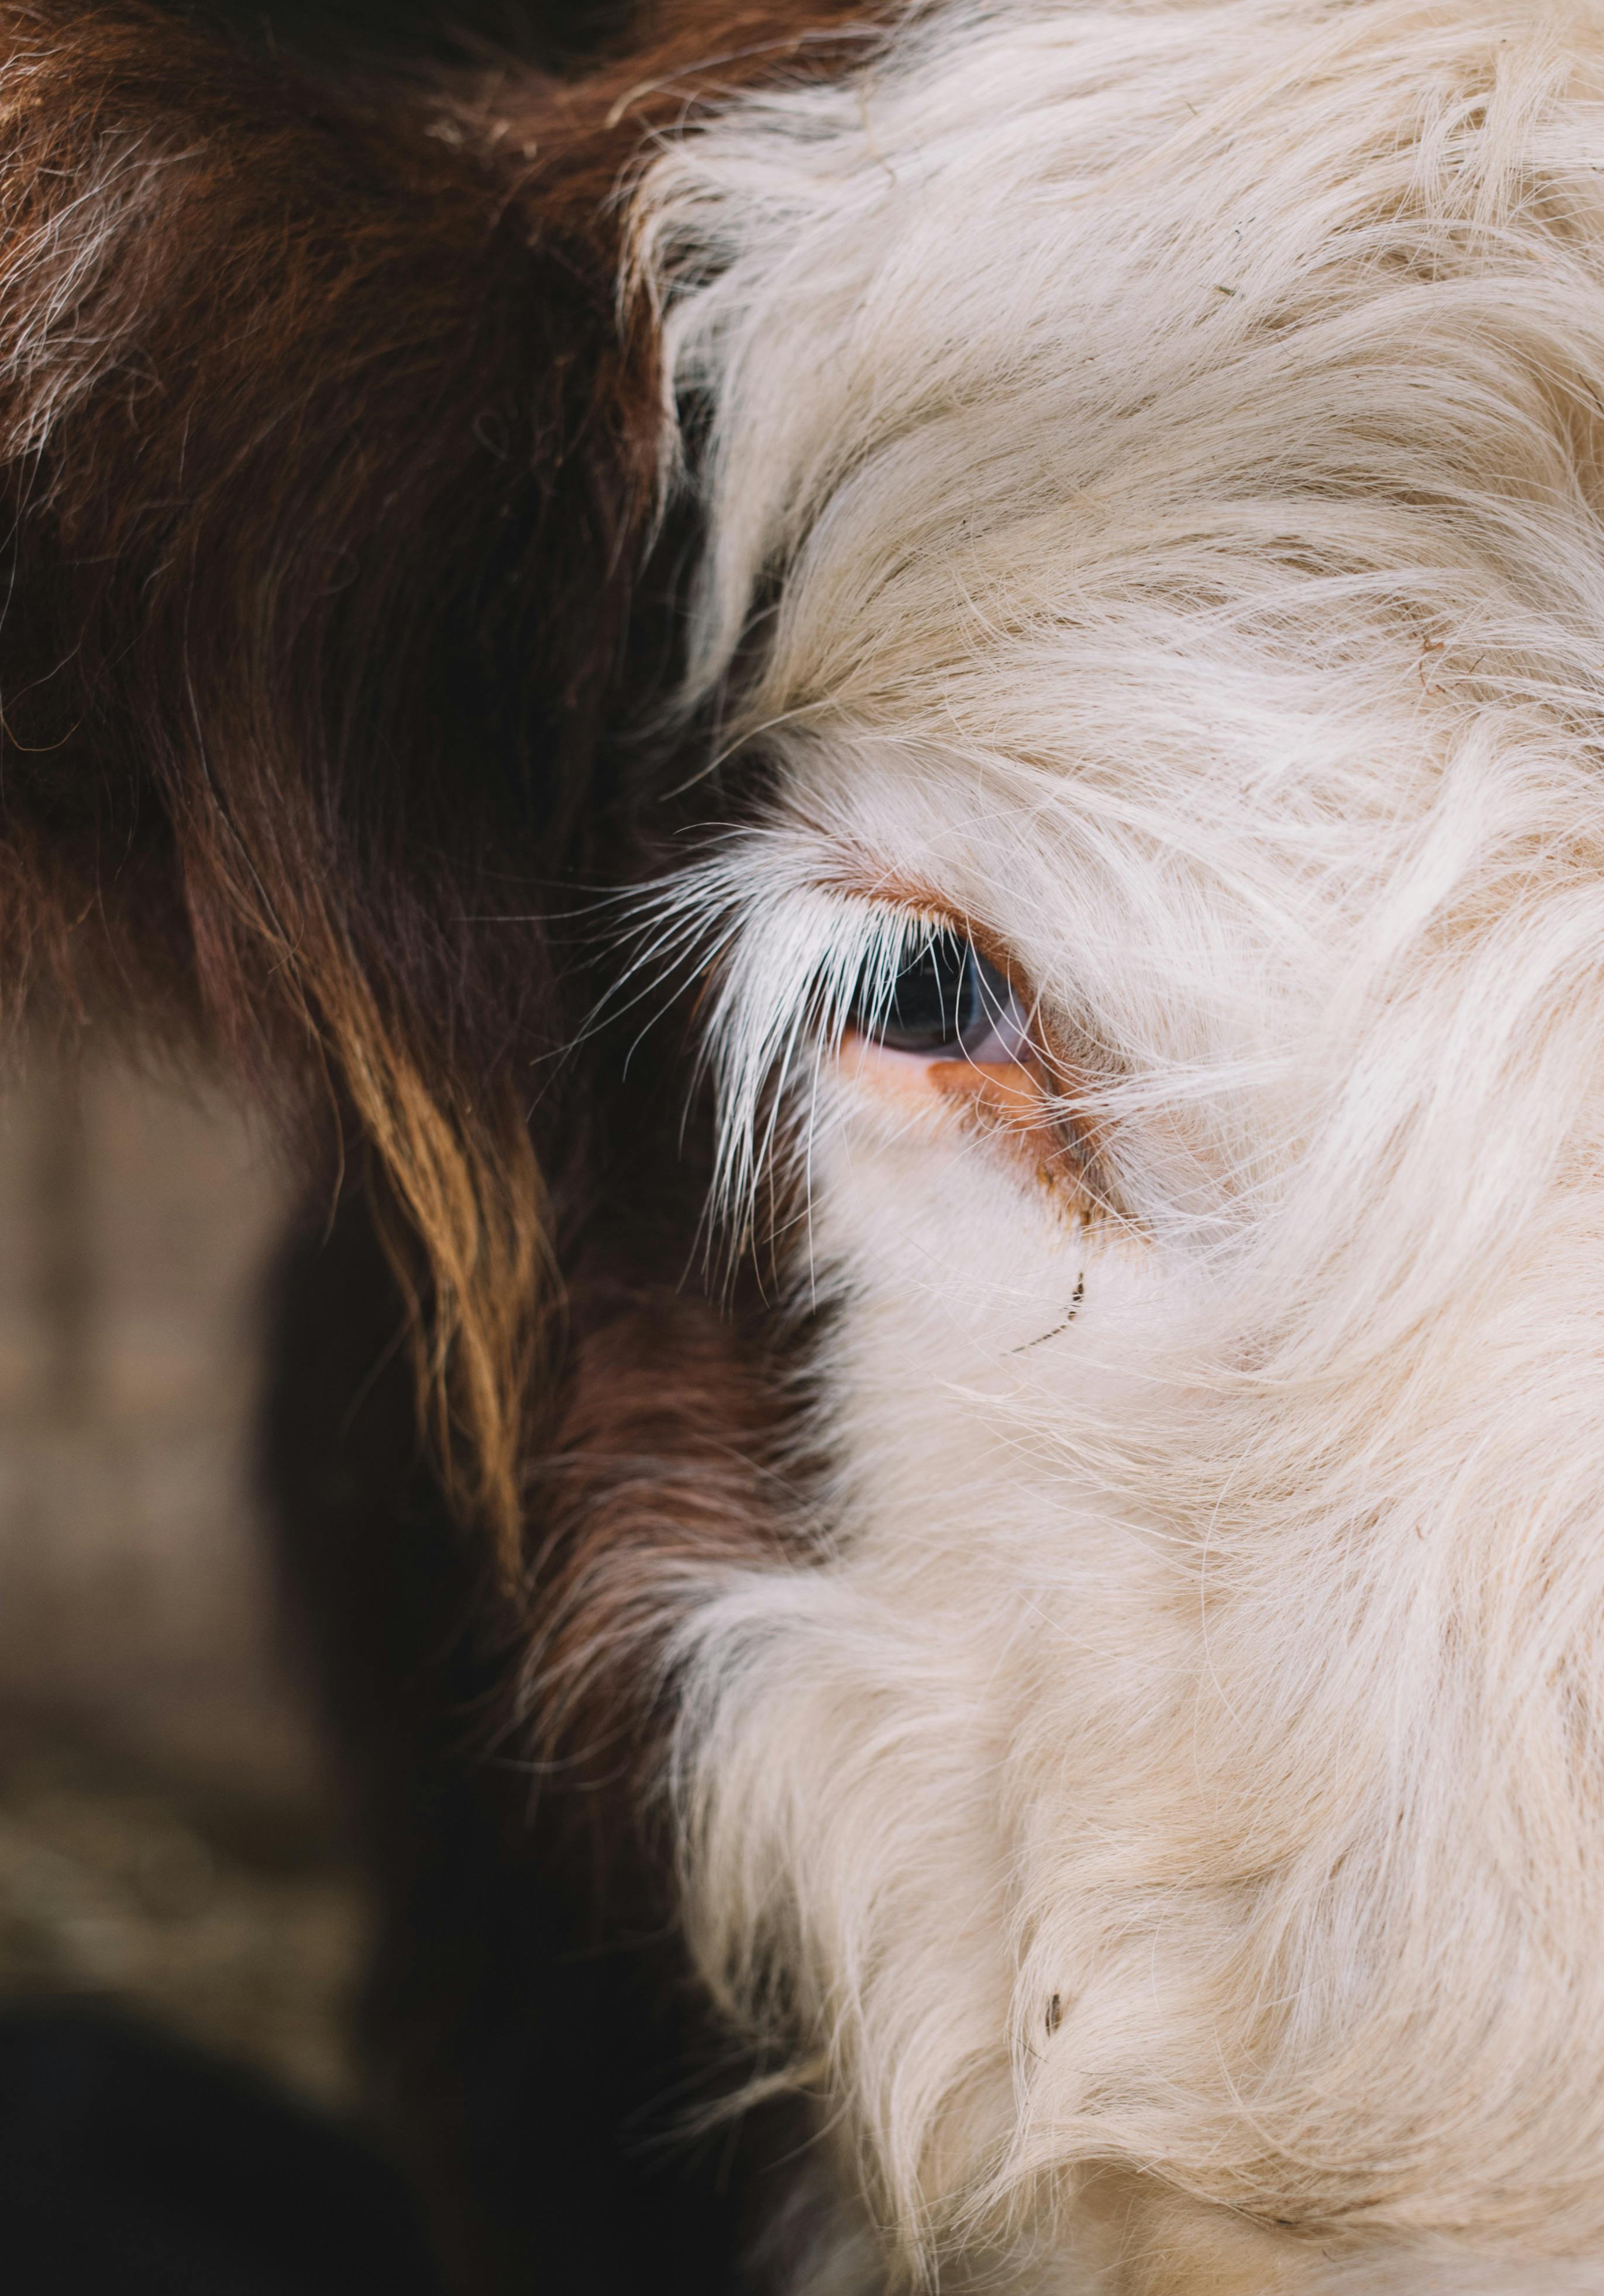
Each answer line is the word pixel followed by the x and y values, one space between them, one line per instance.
pixel 883 730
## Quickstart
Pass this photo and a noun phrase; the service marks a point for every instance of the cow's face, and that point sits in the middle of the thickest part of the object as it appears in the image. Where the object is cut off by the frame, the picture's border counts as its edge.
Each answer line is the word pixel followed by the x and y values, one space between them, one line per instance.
pixel 1165 989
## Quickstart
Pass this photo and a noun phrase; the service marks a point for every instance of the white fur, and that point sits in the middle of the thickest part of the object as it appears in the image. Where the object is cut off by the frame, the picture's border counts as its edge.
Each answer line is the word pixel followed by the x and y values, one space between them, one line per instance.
pixel 1175 432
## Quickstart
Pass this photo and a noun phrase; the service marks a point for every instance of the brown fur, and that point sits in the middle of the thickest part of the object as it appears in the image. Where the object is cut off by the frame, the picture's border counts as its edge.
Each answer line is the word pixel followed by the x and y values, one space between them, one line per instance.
pixel 667 1460
pixel 282 394
pixel 534 2037
pixel 328 470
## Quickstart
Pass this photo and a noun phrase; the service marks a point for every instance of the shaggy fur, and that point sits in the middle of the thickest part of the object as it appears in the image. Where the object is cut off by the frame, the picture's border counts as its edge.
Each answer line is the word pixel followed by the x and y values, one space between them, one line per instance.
pixel 330 459
pixel 1151 457
pixel 1076 1592
pixel 328 463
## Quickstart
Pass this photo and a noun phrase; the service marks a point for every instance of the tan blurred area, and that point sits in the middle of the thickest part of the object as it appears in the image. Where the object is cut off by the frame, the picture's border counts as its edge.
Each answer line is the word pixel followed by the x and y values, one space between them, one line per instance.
pixel 168 1841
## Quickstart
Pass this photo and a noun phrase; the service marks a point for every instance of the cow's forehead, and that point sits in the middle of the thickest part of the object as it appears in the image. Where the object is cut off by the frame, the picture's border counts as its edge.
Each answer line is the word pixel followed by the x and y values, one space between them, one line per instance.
pixel 1152 478
pixel 1123 302
pixel 1170 433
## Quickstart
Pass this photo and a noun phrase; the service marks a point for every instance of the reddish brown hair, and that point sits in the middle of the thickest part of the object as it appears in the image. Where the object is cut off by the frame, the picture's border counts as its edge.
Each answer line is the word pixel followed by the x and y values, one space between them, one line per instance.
pixel 328 467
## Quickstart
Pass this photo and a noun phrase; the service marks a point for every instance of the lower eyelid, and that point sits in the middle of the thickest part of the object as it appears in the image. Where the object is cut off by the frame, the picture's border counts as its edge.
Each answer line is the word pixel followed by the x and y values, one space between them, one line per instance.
pixel 1010 1097
pixel 1020 1106
pixel 1016 1077
pixel 1009 1035
pixel 859 1051
pixel 1006 1048
pixel 1011 1086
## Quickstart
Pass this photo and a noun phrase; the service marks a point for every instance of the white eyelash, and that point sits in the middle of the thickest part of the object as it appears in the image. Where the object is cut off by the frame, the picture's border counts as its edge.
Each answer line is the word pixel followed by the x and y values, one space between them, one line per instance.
pixel 792 958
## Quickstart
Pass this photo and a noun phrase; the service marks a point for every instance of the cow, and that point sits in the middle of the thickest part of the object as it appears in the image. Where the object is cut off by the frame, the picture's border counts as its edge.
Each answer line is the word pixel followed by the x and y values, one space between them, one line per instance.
pixel 885 731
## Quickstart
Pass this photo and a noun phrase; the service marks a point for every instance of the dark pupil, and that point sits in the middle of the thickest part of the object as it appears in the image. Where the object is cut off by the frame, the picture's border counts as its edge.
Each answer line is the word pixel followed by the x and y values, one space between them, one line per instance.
pixel 936 999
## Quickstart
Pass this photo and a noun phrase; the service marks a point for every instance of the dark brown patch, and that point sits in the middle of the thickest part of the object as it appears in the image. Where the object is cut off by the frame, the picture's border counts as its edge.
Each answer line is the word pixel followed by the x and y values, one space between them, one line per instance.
pixel 663 1470
pixel 311 615
pixel 327 471
pixel 533 2031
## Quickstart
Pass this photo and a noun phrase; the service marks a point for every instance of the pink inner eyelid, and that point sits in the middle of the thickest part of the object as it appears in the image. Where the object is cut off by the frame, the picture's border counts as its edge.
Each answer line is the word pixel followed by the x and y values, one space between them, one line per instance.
pixel 1008 1038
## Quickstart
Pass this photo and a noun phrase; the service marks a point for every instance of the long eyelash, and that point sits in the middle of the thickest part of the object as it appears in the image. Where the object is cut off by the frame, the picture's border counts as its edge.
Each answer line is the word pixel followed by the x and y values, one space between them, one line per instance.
pixel 787 960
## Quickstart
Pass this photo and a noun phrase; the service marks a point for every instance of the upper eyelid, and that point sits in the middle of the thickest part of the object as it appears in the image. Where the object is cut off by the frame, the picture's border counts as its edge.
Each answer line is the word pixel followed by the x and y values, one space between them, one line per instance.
pixel 911 899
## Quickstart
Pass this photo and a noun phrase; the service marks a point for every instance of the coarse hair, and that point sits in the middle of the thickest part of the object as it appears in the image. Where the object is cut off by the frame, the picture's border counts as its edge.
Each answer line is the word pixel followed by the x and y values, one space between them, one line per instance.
pixel 1151 458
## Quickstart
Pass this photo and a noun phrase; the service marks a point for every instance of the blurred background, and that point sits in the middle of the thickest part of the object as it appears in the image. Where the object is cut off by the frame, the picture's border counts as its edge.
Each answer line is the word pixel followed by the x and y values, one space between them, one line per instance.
pixel 168 1843
pixel 168 1838
pixel 183 1932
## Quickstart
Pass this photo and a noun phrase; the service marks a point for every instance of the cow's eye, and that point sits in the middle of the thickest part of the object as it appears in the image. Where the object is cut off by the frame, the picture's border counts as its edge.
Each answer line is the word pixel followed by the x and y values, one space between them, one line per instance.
pixel 946 1002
